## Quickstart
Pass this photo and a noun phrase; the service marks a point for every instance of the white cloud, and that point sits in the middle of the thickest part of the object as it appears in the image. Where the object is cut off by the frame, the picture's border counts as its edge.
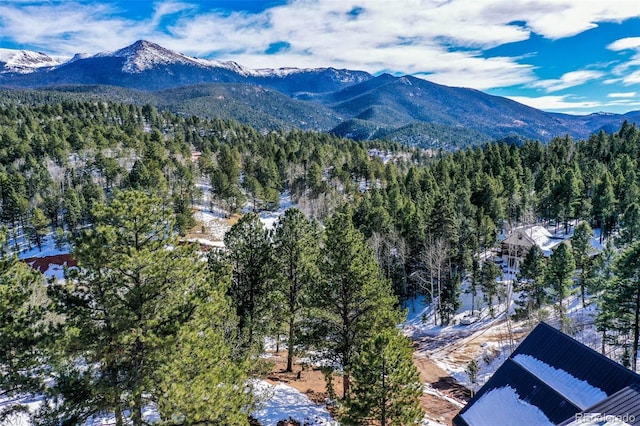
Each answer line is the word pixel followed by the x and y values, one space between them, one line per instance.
pixel 625 44
pixel 571 105
pixel 570 79
pixel 555 102
pixel 442 40
pixel 631 78
pixel 168 8
pixel 623 95
pixel 575 16
pixel 76 27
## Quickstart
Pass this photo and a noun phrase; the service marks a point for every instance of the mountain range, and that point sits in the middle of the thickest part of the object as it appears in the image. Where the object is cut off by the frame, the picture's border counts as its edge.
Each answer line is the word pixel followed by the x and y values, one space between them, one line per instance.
pixel 347 103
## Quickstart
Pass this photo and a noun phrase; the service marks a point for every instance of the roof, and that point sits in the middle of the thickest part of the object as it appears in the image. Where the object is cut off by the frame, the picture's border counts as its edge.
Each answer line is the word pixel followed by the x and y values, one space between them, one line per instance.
pixel 533 235
pixel 555 374
pixel 623 405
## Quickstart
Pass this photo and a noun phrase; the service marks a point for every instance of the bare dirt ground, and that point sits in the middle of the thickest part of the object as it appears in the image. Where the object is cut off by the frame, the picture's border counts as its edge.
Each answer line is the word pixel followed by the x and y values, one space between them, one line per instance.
pixel 308 380
pixel 212 229
pixel 438 404
pixel 454 350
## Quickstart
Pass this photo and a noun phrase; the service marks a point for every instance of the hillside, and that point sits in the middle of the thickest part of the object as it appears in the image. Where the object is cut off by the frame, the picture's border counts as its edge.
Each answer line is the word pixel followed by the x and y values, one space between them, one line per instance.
pixel 348 103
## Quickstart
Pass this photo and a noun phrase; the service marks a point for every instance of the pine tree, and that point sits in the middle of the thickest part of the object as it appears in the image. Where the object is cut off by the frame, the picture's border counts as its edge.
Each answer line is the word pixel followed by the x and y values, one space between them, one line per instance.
pixel 23 331
pixel 581 247
pixel 488 276
pixel 351 300
pixel 123 308
pixel 559 277
pixel 250 255
pixel 204 377
pixel 296 252
pixel 72 209
pixel 620 302
pixel 630 225
pixel 604 205
pixel 39 225
pixel 531 283
pixel 386 387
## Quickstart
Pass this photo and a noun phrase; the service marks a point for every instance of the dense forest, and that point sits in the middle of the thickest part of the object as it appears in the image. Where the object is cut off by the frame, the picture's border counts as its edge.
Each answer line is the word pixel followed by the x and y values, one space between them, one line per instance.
pixel 376 224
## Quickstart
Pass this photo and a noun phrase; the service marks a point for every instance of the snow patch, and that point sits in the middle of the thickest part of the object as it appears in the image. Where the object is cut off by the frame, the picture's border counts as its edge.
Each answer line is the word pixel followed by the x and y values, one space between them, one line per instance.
pixel 282 401
pixel 579 392
pixel 503 407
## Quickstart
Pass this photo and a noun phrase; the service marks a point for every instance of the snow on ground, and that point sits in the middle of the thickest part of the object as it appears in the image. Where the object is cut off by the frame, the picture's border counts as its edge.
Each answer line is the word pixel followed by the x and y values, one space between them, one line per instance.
pixel 279 402
pixel 20 419
pixel 579 392
pixel 48 248
pixel 54 271
pixel 503 407
pixel 149 413
pixel 269 218
pixel 484 338
pixel 282 401
pixel 214 226
pixel 430 390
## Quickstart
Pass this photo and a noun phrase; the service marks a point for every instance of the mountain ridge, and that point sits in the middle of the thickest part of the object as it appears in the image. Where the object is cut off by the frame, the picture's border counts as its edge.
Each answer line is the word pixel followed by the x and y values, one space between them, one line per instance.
pixel 348 103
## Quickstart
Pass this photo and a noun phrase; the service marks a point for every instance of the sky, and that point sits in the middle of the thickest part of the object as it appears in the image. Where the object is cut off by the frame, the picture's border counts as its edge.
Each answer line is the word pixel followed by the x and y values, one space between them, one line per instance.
pixel 572 56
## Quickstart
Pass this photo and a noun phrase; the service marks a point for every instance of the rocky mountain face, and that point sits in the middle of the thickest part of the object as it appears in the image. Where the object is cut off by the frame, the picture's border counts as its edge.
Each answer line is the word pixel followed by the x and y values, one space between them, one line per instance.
pixel 348 103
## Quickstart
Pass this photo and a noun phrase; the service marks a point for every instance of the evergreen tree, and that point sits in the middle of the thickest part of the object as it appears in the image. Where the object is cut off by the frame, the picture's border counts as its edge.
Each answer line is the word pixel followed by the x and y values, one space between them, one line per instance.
pixel 39 226
pixel 23 332
pixel 72 209
pixel 559 277
pixel 450 295
pixel 530 283
pixel 204 377
pixel 123 308
pixel 620 302
pixel 630 225
pixel 386 387
pixel 351 299
pixel 488 276
pixel 250 255
pixel 581 248
pixel 296 252
pixel 604 205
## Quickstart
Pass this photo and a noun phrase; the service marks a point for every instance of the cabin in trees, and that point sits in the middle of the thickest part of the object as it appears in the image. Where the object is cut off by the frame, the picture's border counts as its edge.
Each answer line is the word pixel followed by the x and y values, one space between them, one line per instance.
pixel 520 240
pixel 552 379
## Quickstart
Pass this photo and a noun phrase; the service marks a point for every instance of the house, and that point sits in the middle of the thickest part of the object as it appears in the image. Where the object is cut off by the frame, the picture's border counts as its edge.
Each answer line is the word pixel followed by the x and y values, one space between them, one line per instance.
pixel 520 241
pixel 552 379
pixel 623 407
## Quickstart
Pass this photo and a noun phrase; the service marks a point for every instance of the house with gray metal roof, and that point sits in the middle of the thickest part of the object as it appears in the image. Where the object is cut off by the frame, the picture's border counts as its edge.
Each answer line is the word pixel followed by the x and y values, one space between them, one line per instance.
pixel 552 379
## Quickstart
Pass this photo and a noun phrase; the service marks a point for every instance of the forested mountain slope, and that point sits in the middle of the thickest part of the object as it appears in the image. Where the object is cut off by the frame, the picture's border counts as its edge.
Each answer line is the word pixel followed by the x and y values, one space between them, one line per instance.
pixel 377 224
pixel 349 103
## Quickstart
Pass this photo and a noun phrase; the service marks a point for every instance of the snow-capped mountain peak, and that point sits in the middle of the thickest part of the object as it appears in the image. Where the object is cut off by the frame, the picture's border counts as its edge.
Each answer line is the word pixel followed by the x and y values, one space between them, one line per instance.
pixel 143 55
pixel 25 61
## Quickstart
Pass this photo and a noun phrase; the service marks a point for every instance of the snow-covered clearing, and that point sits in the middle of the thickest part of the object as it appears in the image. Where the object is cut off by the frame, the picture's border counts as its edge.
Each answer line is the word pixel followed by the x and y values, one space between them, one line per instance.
pixel 269 218
pixel 282 402
pixel 149 413
pixel 213 222
pixel 279 402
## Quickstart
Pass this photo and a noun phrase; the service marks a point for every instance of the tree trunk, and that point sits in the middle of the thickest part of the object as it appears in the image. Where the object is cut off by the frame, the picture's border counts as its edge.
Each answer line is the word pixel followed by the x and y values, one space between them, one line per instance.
pixel 383 412
pixel 636 330
pixel 290 345
pixel 136 412
pixel 118 414
pixel 346 384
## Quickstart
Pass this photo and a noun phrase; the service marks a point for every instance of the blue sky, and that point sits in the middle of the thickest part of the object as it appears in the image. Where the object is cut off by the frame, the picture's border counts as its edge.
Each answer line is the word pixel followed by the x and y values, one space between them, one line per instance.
pixel 574 56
